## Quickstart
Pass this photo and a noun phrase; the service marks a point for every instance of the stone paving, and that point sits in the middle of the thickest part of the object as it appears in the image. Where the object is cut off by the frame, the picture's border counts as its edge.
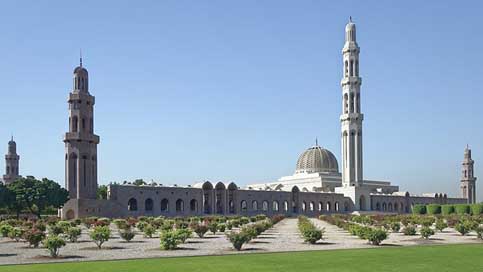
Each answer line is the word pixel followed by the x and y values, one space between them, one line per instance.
pixel 284 236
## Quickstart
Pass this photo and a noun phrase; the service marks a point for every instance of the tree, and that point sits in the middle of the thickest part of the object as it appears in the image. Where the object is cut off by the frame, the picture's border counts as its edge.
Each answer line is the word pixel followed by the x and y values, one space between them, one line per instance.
pixel 36 195
pixel 139 182
pixel 7 198
pixel 102 192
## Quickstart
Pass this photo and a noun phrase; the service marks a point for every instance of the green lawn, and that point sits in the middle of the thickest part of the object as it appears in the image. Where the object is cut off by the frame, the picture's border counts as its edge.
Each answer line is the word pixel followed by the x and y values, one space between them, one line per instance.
pixel 417 258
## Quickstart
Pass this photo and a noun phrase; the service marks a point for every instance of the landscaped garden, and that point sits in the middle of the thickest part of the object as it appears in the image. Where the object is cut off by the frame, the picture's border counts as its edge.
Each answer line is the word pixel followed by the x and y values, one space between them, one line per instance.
pixel 91 239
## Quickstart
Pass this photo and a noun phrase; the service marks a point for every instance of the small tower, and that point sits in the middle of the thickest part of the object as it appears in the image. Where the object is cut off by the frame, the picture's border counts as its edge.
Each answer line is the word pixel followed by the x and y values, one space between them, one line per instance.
pixel 80 141
pixel 468 180
pixel 11 163
pixel 351 117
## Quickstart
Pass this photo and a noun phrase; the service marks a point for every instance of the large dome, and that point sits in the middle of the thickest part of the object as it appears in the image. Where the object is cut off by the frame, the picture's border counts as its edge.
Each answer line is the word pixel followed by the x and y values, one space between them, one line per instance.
pixel 317 159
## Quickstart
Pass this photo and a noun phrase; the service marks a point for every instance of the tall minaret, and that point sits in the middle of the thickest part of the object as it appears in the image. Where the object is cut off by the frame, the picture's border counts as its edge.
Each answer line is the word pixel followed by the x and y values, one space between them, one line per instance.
pixel 351 117
pixel 11 163
pixel 80 141
pixel 468 180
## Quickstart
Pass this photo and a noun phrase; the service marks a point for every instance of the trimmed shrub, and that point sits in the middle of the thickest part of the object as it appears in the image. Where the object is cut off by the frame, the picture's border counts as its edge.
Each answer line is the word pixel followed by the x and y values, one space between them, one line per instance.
pixel 184 234
pixel 433 209
pixel 73 234
pixel 16 233
pixel 376 236
pixel 419 209
pixel 56 229
pixel 100 235
pixel 237 239
pixel 309 231
pixel 476 209
pixel 169 240
pixel 149 230
pixel 479 232
pixel 426 232
pixel 426 221
pixel 34 237
pixel 463 228
pixel 5 229
pixel 127 234
pixel 441 225
pixel 410 230
pixel 221 227
pixel 53 244
pixel 462 209
pixel 395 226
pixel 213 227
pixel 200 229
pixel 121 224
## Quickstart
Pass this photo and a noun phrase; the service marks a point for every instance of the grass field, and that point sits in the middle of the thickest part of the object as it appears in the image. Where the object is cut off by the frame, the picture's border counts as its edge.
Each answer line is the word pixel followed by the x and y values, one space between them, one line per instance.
pixel 416 258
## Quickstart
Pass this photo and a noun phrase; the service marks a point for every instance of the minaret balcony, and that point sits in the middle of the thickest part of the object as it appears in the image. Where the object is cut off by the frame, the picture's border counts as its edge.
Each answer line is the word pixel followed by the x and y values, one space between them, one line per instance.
pixel 79 96
pixel 351 116
pixel 352 80
pixel 81 137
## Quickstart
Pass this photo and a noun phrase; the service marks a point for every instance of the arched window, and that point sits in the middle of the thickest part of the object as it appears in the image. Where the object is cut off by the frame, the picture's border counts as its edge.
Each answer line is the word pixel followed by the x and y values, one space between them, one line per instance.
pixel 396 207
pixel 378 206
pixel 231 206
pixel 275 206
pixel 346 206
pixel 148 205
pixel 384 207
pixel 358 103
pixel 346 103
pixel 346 70
pixel 328 206
pixel 132 205
pixel 265 206
pixel 357 68
pixel 164 205
pixel 193 205
pixel 351 68
pixel 179 205
pixel 8 170
pixel 75 124
pixel 304 206
pixel 254 205
pixel 311 206
pixel 351 102
pixel 285 206
pixel 83 124
pixel 243 206
pixel 321 206
pixel 390 207
pixel 336 206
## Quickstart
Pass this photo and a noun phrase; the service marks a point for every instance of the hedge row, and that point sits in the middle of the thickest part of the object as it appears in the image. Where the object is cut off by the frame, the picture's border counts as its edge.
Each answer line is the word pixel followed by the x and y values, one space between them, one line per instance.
pixel 461 209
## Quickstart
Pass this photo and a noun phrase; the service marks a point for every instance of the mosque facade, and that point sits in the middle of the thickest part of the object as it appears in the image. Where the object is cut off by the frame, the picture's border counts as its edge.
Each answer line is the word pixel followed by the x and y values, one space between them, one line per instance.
pixel 317 186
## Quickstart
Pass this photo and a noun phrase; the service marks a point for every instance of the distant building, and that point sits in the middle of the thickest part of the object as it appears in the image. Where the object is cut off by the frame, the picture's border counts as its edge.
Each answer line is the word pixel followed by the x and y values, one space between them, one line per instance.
pixel 468 180
pixel 317 186
pixel 11 163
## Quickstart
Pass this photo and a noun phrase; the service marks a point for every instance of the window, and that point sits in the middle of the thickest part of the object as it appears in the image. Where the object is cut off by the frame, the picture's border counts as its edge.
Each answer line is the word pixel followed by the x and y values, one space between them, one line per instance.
pixel 132 205
pixel 254 205
pixel 193 205
pixel 337 206
pixel 285 206
pixel 164 205
pixel 311 206
pixel 148 205
pixel 328 206
pixel 321 206
pixel 304 206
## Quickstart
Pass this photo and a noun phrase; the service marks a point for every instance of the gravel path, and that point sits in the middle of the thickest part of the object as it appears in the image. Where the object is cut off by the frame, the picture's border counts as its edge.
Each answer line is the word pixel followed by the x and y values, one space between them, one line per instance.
pixel 284 236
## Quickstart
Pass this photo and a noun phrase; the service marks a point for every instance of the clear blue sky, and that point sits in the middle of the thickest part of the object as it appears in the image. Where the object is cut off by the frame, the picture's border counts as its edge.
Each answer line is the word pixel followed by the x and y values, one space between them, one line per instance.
pixel 236 90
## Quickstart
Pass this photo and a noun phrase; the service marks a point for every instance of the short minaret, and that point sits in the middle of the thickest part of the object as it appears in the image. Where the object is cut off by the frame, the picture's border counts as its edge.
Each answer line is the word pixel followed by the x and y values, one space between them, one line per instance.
pixel 351 117
pixel 80 141
pixel 11 163
pixel 468 180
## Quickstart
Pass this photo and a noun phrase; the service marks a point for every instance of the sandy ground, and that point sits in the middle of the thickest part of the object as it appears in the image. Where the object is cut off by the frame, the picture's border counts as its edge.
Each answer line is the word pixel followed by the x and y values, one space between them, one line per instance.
pixel 284 236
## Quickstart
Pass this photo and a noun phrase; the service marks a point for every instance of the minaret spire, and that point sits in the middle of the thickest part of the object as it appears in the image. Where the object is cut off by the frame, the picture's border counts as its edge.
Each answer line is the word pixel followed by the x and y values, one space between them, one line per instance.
pixel 80 57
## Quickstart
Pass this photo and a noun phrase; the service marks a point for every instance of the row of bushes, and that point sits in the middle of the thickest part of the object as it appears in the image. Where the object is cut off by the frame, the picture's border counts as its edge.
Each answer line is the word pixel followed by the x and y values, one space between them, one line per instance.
pixel 309 231
pixel 375 235
pixel 434 209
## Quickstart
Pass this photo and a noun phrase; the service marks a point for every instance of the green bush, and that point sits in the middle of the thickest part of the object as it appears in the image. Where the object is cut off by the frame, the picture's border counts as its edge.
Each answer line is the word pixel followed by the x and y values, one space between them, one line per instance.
pixel 127 234
pixel 309 231
pixel 419 209
pixel 100 235
pixel 141 225
pixel 5 229
pixel 121 224
pixel 73 234
pixel 395 226
pixel 479 232
pixel 16 233
pixel 213 227
pixel 433 209
pixel 441 224
pixel 169 239
pixel 376 236
pixel 463 228
pixel 447 209
pixel 237 239
pixel 409 230
pixel 34 237
pixel 56 229
pixel 221 227
pixel 149 230
pixel 64 225
pixel 184 234
pixel 476 209
pixel 53 243
pixel 462 209
pixel 426 232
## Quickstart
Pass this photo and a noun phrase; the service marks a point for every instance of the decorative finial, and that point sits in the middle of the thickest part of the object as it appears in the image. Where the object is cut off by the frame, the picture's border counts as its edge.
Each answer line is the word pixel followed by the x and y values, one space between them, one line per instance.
pixel 80 59
pixel 316 142
pixel 350 19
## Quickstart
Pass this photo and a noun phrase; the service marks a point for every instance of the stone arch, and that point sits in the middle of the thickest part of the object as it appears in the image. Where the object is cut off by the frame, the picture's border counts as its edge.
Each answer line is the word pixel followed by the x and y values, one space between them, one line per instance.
pixel 220 186
pixel 148 205
pixel 384 206
pixel 389 207
pixel 193 205
pixel 179 205
pixel 254 205
pixel 311 206
pixel 232 186
pixel 243 206
pixel 165 205
pixel 396 207
pixel 285 206
pixel 275 207
pixel 346 206
pixel 336 206
pixel 328 206
pixel 132 204
pixel 70 214
pixel 378 206
pixel 362 203
pixel 304 206
pixel 207 186
pixel 265 206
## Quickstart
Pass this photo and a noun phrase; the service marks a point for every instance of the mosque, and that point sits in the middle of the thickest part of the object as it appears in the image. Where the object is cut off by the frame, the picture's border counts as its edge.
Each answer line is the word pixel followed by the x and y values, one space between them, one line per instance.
pixel 317 186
